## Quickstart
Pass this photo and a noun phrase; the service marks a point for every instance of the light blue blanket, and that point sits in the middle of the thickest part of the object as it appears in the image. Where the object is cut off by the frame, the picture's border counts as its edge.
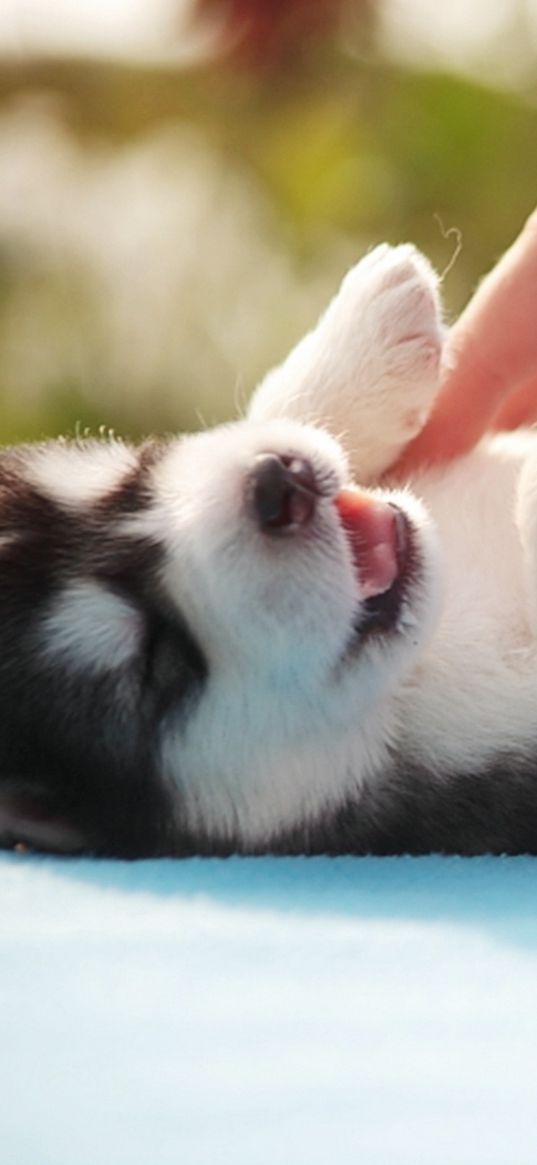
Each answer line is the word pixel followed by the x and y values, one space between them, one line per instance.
pixel 268 1012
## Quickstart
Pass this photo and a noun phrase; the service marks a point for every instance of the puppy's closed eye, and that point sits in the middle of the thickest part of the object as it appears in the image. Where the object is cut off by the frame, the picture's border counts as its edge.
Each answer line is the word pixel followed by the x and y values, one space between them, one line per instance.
pixel 175 667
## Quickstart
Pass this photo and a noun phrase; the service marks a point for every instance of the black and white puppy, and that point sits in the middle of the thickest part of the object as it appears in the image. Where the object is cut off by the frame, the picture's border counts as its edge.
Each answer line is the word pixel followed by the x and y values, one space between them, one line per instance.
pixel 218 644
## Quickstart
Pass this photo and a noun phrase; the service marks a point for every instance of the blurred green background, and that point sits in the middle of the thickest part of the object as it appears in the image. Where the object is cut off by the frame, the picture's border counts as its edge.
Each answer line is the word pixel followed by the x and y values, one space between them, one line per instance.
pixel 183 184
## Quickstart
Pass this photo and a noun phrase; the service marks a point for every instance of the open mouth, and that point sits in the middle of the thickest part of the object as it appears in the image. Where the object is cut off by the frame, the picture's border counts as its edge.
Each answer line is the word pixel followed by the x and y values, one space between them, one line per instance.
pixel 383 548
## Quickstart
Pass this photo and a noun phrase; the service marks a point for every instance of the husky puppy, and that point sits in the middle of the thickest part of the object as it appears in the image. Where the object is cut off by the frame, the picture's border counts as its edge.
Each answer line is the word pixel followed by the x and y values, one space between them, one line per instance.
pixel 238 641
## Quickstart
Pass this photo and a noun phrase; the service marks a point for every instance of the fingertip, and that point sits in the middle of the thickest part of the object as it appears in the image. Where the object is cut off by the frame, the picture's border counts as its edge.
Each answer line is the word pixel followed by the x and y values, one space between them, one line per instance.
pixel 530 225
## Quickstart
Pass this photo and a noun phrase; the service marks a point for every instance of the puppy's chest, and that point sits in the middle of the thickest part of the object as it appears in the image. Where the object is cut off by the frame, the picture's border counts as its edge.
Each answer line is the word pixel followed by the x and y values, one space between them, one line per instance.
pixel 473 504
pixel 473 689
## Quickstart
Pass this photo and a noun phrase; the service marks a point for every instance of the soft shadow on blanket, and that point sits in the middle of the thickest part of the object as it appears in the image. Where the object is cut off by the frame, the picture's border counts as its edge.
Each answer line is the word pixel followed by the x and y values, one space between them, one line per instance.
pixel 498 894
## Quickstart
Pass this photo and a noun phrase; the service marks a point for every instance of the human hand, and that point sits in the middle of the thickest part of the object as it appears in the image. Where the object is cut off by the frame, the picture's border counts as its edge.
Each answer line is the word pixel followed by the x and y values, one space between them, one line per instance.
pixel 490 378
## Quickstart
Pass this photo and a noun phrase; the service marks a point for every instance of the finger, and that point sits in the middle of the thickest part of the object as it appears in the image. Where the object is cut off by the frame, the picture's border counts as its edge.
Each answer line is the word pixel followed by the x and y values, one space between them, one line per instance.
pixel 463 411
pixel 519 409
pixel 492 347
pixel 497 332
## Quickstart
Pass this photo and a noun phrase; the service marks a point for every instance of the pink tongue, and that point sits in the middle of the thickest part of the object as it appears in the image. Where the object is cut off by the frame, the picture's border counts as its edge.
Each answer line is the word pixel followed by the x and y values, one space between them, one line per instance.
pixel 371 527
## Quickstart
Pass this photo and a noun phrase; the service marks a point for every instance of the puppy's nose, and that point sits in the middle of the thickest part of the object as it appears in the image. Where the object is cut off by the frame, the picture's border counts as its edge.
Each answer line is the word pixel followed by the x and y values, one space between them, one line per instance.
pixel 284 491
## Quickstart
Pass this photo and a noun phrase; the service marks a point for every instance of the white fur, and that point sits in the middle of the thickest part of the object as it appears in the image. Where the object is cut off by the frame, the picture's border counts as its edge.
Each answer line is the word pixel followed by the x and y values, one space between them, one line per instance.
pixel 65 474
pixel 90 627
pixel 473 692
pixel 387 305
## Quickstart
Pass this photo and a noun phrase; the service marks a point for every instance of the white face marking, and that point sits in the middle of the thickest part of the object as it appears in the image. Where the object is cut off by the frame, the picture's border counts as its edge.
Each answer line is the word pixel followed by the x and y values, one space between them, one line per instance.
pixel 68 475
pixel 90 627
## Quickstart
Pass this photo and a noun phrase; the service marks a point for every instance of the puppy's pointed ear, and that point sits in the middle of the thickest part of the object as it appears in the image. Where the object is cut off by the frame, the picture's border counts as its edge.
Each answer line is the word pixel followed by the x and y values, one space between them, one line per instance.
pixel 29 820
pixel 368 372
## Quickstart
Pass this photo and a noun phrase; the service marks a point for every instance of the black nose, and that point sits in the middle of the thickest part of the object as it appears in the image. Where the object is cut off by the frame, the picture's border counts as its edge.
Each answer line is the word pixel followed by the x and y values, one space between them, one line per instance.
pixel 285 491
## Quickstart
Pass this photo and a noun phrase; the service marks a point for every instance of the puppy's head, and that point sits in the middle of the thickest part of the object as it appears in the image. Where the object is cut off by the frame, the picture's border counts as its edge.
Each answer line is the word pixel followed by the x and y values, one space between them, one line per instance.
pixel 307 600
pixel 199 639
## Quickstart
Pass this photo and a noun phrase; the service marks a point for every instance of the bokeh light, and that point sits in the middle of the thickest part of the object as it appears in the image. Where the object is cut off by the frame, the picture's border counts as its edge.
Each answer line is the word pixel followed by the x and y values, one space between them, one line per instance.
pixel 183 182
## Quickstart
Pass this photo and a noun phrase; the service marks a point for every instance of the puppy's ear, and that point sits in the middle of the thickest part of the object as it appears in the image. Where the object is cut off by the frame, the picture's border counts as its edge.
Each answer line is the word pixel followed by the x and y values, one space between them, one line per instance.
pixel 369 370
pixel 30 820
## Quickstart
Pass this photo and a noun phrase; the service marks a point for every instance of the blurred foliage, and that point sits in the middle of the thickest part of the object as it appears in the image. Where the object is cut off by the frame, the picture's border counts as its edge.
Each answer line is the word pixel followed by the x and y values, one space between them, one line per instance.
pixel 327 160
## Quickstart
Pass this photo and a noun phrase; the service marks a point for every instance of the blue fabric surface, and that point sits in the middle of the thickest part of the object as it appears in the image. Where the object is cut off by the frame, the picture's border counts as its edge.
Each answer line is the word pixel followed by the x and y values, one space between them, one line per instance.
pixel 373 1011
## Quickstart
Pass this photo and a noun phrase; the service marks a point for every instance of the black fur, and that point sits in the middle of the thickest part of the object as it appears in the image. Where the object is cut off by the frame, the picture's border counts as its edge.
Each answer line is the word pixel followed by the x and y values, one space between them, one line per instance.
pixel 418 811
pixel 79 748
